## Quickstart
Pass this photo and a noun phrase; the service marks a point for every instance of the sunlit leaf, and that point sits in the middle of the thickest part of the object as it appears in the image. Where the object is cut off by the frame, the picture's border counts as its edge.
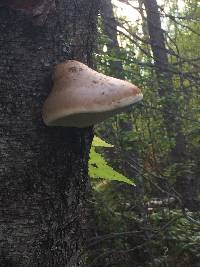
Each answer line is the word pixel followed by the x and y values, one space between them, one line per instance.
pixel 99 142
pixel 98 168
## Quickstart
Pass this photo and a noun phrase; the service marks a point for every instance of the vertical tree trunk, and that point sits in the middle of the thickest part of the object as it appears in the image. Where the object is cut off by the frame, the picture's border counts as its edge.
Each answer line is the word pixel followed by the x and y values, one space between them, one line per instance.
pixel 110 29
pixel 43 171
pixel 171 110
pixel 157 41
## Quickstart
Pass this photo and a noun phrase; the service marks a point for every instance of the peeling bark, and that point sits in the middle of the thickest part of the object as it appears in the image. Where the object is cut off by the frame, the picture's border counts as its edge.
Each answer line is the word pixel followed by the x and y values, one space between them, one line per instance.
pixel 37 10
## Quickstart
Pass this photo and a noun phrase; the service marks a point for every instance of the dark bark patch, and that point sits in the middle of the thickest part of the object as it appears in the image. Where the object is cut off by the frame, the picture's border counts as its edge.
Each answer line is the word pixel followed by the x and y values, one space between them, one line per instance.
pixel 38 10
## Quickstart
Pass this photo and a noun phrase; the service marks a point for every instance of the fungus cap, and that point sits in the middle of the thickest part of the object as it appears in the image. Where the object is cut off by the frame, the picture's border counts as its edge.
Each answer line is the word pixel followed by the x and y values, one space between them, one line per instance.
pixel 81 97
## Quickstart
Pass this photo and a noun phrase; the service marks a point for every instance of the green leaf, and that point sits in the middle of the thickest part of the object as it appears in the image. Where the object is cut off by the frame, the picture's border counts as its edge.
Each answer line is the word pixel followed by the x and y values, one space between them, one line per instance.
pixel 99 142
pixel 98 168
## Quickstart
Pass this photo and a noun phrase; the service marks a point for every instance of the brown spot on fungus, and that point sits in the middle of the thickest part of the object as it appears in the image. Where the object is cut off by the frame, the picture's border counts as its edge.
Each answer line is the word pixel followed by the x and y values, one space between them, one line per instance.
pixel 72 69
pixel 95 81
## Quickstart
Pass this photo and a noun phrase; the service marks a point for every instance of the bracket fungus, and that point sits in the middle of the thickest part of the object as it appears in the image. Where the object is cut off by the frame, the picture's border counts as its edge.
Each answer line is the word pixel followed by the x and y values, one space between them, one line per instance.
pixel 81 97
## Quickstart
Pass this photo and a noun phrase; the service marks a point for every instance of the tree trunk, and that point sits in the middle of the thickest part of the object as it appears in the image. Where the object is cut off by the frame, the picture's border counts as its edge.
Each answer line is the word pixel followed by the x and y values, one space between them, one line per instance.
pixel 185 180
pixel 110 29
pixel 43 170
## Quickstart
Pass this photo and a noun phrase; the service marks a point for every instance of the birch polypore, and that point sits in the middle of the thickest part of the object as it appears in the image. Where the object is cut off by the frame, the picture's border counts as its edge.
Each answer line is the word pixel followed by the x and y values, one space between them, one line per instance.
pixel 81 97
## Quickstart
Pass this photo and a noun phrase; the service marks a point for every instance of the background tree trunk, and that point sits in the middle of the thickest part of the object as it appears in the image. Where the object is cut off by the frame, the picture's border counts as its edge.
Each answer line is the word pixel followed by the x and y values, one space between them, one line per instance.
pixel 110 29
pixel 185 179
pixel 43 171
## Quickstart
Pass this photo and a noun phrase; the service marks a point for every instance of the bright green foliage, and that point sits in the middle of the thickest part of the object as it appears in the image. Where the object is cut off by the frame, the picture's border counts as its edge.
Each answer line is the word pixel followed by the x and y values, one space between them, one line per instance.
pixel 98 167
pixel 99 142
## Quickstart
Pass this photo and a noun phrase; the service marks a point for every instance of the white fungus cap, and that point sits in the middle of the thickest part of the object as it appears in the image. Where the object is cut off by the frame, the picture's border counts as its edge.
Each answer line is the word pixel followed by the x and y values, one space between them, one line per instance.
pixel 82 97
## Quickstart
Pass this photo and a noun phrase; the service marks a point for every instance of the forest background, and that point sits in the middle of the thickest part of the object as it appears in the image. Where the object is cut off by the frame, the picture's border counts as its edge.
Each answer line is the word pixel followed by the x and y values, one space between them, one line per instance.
pixel 155 45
